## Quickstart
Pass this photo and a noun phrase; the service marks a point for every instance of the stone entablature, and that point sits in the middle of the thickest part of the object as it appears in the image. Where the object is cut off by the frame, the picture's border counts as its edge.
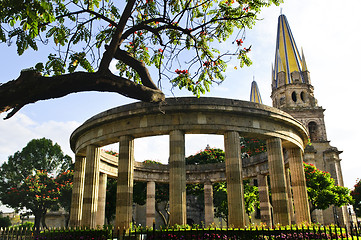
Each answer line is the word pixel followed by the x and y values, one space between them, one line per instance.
pixel 191 115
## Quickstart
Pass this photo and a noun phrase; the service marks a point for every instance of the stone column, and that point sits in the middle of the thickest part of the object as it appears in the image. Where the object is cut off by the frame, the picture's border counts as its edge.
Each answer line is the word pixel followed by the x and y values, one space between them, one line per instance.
pixel 177 178
pixel 78 192
pixel 124 202
pixel 236 211
pixel 150 208
pixel 101 199
pixel 276 167
pixel 289 195
pixel 264 202
pixel 91 187
pixel 299 188
pixel 208 204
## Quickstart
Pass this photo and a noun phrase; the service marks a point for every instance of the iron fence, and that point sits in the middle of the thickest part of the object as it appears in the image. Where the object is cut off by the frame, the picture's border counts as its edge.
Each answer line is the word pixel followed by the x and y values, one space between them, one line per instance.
pixel 256 233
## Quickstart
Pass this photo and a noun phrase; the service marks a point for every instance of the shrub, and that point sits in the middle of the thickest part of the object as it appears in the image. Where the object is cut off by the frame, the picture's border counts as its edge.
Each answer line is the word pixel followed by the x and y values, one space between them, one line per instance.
pixel 5 222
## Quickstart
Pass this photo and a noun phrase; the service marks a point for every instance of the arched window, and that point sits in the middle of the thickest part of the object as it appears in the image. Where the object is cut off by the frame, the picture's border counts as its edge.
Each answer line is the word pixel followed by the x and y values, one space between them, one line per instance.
pixel 294 96
pixel 302 96
pixel 313 130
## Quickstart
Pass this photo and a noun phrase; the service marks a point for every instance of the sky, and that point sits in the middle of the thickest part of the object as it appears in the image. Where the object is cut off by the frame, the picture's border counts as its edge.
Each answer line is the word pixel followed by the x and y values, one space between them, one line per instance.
pixel 326 30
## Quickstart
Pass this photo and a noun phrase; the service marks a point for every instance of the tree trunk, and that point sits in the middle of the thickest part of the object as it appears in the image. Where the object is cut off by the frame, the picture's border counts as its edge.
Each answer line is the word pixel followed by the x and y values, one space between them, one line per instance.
pixel 37 221
pixel 164 218
pixel 43 223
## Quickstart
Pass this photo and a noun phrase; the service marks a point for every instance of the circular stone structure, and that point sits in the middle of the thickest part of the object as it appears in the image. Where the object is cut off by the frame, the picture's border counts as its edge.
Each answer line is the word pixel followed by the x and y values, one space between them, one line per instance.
pixel 177 117
pixel 193 116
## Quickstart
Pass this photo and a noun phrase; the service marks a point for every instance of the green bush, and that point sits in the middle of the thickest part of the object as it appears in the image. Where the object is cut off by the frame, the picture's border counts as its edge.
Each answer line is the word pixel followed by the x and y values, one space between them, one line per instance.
pixel 5 222
pixel 74 234
pixel 27 225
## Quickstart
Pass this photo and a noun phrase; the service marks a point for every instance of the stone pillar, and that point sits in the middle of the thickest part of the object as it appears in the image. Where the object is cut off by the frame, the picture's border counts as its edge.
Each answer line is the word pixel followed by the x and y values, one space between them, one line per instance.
pixel 124 202
pixel 299 188
pixel 208 204
pixel 177 178
pixel 101 199
pixel 236 211
pixel 150 208
pixel 78 192
pixel 91 187
pixel 276 167
pixel 264 202
pixel 289 195
pixel 333 166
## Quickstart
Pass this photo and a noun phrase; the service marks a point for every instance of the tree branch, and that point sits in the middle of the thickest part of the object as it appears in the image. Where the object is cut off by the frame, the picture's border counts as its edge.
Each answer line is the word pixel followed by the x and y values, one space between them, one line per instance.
pixel 113 46
pixel 138 66
pixel 17 93
pixel 98 15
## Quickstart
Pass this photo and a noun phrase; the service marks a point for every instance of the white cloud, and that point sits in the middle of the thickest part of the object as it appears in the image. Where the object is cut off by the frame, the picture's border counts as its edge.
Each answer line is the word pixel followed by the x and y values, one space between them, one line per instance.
pixel 20 129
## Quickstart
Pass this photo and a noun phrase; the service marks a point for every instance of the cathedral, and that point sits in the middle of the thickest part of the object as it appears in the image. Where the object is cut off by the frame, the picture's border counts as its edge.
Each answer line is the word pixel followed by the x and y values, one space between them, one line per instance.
pixel 293 93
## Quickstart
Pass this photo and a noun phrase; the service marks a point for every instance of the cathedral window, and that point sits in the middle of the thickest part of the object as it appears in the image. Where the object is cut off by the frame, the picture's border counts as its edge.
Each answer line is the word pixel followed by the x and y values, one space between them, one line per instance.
pixel 294 96
pixel 302 95
pixel 312 129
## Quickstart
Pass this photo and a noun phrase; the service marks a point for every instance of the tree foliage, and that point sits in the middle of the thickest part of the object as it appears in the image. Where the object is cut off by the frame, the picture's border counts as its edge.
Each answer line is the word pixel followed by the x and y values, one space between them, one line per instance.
pixel 64 182
pixel 252 146
pixel 27 179
pixel 322 191
pixel 4 221
pixel 220 201
pixel 111 195
pixel 208 155
pixel 139 196
pixel 180 41
pixel 36 193
pixel 356 195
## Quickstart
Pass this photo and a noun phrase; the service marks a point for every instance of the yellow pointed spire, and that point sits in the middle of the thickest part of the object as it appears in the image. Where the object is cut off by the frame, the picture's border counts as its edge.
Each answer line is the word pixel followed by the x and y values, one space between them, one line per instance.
pixel 255 94
pixel 287 57
pixel 304 65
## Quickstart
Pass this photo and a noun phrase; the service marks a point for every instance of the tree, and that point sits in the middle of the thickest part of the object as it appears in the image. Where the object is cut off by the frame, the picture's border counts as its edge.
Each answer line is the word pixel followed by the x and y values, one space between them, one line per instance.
pixel 4 221
pixel 356 195
pixel 26 179
pixel 250 193
pixel 252 146
pixel 251 198
pixel 322 191
pixel 208 155
pixel 37 193
pixel 64 186
pixel 178 40
pixel 111 195
pixel 161 197
pixel 139 196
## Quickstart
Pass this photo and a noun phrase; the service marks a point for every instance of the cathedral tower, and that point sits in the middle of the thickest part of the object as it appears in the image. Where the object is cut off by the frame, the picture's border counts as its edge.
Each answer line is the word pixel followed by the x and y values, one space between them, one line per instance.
pixel 292 92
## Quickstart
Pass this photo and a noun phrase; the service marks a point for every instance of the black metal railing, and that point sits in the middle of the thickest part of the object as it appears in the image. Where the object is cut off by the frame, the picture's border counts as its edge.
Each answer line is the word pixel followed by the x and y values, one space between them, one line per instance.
pixel 256 233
